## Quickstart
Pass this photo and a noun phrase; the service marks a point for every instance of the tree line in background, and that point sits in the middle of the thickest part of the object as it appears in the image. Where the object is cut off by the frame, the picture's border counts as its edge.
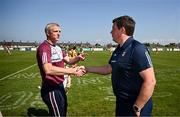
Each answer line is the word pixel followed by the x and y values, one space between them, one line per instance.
pixel 84 45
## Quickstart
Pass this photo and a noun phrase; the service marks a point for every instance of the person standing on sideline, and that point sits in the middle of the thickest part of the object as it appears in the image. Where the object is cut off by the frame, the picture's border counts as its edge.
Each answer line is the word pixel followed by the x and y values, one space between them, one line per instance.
pixel 71 54
pixel 132 73
pixel 51 60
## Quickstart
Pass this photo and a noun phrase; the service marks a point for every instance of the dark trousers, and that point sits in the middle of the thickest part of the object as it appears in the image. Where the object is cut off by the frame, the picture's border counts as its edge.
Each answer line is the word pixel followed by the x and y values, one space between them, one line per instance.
pixel 56 100
pixel 125 108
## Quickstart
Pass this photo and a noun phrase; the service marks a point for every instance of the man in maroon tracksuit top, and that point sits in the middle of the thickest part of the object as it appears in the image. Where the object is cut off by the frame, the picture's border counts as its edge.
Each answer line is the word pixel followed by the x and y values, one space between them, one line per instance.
pixel 51 60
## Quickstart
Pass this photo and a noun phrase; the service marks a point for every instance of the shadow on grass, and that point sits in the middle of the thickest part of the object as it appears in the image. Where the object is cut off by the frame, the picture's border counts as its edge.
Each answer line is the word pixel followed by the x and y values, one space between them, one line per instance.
pixel 37 112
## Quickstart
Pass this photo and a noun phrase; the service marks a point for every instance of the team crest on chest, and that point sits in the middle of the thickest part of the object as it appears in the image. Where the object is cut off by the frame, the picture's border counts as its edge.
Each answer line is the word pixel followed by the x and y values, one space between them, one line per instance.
pixel 56 54
pixel 123 54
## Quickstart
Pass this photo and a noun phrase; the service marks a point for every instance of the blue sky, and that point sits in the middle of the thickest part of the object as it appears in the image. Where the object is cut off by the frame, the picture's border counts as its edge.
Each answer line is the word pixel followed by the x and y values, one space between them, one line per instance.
pixel 89 20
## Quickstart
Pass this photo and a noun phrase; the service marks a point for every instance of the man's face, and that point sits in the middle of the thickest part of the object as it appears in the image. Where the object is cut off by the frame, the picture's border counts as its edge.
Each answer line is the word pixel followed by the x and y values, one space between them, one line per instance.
pixel 116 33
pixel 54 34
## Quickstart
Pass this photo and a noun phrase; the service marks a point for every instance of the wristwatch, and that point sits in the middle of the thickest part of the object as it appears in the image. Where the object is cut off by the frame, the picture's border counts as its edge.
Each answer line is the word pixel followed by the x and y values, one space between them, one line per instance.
pixel 136 108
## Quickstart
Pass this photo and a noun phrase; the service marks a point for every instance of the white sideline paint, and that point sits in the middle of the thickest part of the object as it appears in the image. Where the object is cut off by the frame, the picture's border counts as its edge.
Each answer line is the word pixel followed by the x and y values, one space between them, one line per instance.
pixel 18 71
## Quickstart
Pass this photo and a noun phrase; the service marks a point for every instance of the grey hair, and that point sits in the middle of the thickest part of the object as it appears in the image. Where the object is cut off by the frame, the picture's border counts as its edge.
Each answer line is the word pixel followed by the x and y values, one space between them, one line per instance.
pixel 48 27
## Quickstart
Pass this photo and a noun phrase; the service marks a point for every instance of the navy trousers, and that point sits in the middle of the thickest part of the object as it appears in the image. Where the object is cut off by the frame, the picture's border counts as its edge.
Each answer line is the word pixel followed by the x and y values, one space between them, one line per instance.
pixel 125 108
pixel 56 100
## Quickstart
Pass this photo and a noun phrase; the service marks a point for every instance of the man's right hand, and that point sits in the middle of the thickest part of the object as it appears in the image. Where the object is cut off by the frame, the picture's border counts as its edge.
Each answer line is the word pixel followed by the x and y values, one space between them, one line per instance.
pixel 80 71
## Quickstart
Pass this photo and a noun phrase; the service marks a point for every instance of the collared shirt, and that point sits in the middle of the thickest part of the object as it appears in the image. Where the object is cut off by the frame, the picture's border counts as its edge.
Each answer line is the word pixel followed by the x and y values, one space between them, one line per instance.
pixel 48 53
pixel 126 62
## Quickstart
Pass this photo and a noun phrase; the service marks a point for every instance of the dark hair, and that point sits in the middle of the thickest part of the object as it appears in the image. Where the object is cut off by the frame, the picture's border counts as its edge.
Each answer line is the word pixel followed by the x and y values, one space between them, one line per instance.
pixel 127 22
pixel 74 48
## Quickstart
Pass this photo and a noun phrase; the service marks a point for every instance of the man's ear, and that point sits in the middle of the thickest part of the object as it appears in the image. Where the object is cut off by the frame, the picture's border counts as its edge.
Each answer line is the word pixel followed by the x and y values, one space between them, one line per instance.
pixel 47 34
pixel 123 30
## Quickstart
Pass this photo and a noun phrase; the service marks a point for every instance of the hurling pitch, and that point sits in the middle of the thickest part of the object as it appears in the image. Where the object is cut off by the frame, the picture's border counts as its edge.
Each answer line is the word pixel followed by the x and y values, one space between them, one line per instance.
pixel 90 95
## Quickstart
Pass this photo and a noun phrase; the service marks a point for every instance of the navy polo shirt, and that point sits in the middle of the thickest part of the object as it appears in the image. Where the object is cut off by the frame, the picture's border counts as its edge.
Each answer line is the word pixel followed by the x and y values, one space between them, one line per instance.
pixel 126 62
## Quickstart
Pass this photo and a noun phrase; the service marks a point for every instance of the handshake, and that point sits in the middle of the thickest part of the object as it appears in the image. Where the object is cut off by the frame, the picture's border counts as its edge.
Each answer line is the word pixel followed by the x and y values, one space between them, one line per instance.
pixel 79 71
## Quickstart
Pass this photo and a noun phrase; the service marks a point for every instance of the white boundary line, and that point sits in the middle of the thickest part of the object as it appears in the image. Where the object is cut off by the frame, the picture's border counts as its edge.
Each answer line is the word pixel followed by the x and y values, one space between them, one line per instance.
pixel 18 72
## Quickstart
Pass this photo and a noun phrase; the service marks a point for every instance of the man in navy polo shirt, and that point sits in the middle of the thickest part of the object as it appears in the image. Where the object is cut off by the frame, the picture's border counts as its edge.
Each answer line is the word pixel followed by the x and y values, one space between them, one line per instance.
pixel 133 78
pixel 51 60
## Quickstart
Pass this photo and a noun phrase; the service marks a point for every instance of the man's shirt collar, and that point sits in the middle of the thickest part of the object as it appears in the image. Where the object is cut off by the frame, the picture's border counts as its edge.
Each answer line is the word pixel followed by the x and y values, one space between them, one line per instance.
pixel 127 42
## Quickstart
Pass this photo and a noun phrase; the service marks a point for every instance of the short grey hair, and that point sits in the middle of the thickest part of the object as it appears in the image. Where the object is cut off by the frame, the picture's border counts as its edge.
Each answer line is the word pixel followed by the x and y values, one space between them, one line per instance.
pixel 48 27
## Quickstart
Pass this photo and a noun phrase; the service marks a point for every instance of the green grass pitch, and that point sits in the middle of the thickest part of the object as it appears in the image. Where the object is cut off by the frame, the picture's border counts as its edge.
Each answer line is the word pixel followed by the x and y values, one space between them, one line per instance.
pixel 90 95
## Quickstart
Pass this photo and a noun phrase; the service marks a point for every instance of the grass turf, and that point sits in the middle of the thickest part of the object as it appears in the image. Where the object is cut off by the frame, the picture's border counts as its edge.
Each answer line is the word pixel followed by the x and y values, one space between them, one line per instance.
pixel 89 96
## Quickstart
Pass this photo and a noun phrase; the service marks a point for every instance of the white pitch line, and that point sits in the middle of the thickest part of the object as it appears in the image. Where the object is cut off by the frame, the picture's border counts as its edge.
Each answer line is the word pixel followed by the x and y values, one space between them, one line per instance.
pixel 18 72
